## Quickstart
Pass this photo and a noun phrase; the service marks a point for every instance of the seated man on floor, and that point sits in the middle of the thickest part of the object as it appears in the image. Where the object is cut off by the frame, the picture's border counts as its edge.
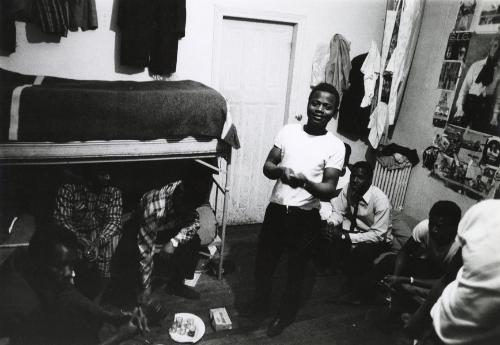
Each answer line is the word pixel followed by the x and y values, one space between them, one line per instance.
pixel 90 208
pixel 425 256
pixel 468 309
pixel 39 304
pixel 359 228
pixel 168 217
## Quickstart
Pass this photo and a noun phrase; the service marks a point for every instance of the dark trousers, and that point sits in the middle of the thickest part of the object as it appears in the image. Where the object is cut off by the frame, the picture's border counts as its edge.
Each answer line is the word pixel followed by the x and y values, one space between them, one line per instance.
pixel 357 262
pixel 126 281
pixel 182 264
pixel 289 229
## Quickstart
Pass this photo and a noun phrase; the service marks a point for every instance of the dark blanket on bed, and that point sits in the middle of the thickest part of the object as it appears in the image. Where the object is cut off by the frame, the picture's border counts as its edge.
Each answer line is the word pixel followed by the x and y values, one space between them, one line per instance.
pixel 73 110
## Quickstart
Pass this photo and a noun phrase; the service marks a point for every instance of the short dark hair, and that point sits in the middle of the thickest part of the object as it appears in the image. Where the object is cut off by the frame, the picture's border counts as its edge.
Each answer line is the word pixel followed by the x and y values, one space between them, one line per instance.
pixel 365 166
pixel 327 88
pixel 448 209
pixel 347 155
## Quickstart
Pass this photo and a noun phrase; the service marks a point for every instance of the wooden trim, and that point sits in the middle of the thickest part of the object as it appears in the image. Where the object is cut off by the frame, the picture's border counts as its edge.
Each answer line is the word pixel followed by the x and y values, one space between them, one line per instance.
pixel 24 153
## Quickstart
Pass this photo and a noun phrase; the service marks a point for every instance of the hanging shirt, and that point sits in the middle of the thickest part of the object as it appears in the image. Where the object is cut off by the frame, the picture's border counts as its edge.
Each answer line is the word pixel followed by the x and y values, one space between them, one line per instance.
pixel 339 65
pixel 320 60
pixel 371 71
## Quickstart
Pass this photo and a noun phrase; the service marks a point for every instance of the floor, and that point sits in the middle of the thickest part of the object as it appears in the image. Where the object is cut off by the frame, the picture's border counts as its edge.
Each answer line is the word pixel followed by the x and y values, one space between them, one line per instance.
pixel 318 322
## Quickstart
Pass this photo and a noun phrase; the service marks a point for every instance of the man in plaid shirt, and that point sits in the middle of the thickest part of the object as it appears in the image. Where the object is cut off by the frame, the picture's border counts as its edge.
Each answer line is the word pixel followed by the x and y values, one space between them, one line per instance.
pixel 168 217
pixel 91 209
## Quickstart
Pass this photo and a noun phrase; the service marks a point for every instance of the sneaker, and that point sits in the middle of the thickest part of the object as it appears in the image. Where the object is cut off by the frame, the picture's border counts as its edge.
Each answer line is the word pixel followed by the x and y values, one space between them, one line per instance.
pixel 182 291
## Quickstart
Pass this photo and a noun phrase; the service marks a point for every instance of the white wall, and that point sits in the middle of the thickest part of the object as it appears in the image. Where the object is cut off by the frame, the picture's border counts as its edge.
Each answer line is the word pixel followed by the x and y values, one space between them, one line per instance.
pixel 92 54
pixel 414 128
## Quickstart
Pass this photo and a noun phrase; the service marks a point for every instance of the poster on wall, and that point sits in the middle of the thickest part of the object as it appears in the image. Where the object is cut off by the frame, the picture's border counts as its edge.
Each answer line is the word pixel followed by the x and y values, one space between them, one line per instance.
pixel 491 153
pixel 442 110
pixel 477 101
pixel 467 162
pixel 465 154
pixel 463 162
pixel 450 72
pixel 457 46
pixel 488 17
pixel 465 15
pixel 490 13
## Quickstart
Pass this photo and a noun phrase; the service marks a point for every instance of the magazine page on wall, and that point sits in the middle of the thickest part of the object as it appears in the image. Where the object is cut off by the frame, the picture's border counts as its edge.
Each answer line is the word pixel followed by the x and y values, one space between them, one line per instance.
pixel 468 159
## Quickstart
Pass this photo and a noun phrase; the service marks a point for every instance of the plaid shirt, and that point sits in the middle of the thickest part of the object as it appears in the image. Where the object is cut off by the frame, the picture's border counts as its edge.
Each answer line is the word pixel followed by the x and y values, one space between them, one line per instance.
pixel 157 214
pixel 91 216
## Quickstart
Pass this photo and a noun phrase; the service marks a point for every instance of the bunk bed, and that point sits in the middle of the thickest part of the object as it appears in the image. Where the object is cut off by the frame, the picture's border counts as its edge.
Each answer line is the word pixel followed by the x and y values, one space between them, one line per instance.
pixel 56 121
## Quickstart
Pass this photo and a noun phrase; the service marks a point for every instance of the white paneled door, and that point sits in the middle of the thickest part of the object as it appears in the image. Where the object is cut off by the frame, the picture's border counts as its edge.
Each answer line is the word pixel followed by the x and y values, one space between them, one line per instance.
pixel 253 66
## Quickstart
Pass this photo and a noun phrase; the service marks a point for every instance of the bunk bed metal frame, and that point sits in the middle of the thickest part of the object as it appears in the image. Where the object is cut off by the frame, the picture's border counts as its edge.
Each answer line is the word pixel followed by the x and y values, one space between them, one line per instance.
pixel 49 153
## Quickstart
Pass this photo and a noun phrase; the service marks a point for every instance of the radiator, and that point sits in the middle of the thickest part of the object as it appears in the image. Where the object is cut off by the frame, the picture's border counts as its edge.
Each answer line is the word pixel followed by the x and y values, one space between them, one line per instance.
pixel 393 183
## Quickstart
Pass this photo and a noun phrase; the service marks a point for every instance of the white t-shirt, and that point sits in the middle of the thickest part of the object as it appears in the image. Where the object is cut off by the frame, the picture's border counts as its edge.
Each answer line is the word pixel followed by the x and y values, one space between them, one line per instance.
pixel 420 234
pixel 468 311
pixel 307 154
pixel 325 210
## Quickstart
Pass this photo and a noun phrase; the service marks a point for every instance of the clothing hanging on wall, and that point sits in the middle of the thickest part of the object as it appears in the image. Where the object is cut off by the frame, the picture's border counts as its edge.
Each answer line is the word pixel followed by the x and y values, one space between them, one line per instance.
pixel 371 71
pixel 400 61
pixel 53 16
pixel 82 14
pixel 339 64
pixel 397 53
pixel 150 31
pixel 353 119
pixel 378 118
pixel 7 31
pixel 10 11
pixel 320 60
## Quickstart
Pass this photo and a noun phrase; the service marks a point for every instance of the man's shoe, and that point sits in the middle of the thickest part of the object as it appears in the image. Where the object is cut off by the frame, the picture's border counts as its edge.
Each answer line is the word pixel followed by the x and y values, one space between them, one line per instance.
pixel 182 290
pixel 277 326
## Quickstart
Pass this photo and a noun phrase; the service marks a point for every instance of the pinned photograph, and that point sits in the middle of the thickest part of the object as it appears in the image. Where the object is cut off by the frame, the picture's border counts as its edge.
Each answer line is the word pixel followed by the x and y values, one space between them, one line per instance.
pixel 472 146
pixel 465 15
pixel 490 12
pixel 441 142
pixel 491 152
pixel 442 110
pixel 449 75
pixel 476 104
pixel 454 137
pixel 458 44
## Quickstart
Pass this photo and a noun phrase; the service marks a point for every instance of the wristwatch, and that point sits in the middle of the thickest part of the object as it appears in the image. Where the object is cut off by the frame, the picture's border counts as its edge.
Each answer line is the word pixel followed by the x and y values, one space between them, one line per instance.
pixel 174 242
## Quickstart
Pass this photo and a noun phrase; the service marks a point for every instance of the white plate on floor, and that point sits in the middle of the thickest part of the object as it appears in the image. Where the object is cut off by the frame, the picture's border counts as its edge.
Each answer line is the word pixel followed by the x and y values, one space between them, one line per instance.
pixel 200 329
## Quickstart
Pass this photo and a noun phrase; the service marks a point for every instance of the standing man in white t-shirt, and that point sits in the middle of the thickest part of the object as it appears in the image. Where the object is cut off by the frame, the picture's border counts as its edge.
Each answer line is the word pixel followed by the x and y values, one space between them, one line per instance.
pixel 306 162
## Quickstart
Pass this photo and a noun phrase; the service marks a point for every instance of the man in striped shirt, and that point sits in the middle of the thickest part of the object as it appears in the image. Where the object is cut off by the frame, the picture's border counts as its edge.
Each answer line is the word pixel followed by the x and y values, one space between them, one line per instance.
pixel 168 218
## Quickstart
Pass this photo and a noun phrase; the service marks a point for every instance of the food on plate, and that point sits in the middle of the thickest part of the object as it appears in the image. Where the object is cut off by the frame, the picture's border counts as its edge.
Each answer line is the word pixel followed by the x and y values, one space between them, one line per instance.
pixel 184 327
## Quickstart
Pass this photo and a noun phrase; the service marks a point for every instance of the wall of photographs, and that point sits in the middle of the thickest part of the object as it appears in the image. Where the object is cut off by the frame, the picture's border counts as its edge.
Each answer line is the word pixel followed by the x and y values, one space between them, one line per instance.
pixel 465 154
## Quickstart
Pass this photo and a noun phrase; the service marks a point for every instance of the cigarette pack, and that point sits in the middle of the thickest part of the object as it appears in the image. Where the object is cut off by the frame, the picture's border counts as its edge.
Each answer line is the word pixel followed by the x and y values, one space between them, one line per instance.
pixel 220 319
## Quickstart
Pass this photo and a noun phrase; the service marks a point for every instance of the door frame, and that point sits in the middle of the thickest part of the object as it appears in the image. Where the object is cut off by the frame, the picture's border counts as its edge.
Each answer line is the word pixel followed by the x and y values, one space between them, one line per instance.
pixel 296 57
